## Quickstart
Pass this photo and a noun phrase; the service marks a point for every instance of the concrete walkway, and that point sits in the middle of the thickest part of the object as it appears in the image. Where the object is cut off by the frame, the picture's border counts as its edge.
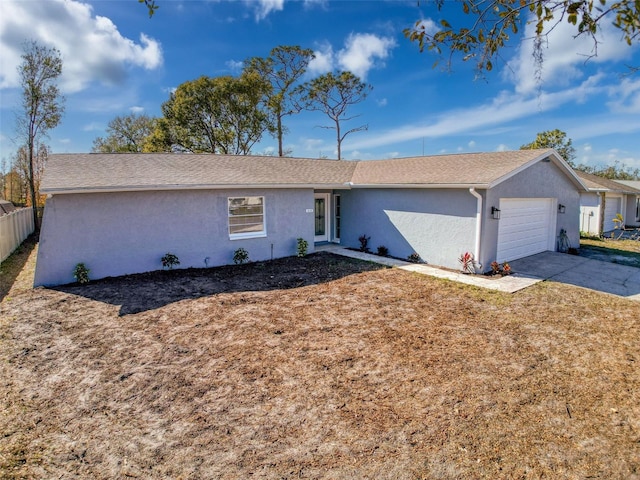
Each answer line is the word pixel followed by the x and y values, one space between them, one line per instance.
pixel 509 284
pixel 606 277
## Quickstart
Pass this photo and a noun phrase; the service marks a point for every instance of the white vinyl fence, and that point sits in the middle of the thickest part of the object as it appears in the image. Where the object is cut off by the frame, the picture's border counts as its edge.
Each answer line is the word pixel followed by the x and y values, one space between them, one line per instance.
pixel 14 228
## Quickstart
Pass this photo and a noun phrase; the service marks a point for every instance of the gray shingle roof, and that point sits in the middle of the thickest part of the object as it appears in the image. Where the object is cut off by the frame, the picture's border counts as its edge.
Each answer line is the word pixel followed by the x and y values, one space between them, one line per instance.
pixel 154 171
pixel 462 169
pixel 600 184
pixel 122 171
pixel 631 183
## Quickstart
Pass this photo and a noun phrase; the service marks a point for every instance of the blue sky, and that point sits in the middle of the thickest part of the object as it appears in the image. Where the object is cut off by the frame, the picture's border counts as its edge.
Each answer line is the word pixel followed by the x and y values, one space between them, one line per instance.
pixel 118 61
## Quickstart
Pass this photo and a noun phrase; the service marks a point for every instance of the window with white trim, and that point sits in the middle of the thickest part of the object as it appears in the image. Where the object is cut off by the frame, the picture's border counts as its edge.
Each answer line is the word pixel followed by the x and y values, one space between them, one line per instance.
pixel 246 217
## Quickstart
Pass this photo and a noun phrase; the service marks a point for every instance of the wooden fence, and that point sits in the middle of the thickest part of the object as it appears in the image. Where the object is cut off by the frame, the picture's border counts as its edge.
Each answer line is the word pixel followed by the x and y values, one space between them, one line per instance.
pixel 14 228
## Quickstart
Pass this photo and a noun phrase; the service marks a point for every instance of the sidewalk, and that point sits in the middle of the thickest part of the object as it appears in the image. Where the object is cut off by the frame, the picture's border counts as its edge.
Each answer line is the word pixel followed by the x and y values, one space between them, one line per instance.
pixel 509 283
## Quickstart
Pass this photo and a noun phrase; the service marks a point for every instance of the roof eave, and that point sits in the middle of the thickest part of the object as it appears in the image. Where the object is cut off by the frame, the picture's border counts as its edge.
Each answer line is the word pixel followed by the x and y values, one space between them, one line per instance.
pixel 159 188
pixel 420 185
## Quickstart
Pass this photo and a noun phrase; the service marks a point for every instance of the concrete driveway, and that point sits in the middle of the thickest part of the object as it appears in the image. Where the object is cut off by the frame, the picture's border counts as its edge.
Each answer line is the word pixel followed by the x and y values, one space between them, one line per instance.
pixel 607 277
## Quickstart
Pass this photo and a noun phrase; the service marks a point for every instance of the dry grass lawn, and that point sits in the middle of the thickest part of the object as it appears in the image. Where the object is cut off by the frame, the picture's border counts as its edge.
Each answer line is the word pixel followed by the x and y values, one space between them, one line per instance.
pixel 322 367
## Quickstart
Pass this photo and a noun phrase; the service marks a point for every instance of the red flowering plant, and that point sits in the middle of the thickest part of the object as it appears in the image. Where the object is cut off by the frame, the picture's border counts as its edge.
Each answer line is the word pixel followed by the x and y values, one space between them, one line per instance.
pixel 495 268
pixel 506 269
pixel 468 265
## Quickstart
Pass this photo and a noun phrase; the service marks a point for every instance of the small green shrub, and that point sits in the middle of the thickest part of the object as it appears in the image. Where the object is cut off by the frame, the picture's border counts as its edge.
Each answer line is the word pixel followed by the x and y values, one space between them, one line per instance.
pixel 383 251
pixel 81 273
pixel 169 261
pixel 364 243
pixel 302 246
pixel 414 258
pixel 240 256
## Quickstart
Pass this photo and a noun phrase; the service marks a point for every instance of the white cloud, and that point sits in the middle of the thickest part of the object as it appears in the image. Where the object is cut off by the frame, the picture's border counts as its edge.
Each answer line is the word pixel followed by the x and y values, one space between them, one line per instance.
pixel 364 51
pixel 506 107
pixel 382 102
pixel 312 144
pixel 234 65
pixel 264 7
pixel 323 61
pixel 564 56
pixel 502 148
pixel 136 109
pixel 308 4
pixel 471 144
pixel 428 26
pixel 626 97
pixel 93 127
pixel 91 47
pixel 361 53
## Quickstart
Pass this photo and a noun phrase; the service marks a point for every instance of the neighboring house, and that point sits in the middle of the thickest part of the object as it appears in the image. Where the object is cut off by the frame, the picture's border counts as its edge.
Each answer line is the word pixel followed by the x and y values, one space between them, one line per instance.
pixel 6 207
pixel 120 213
pixel 603 201
pixel 633 203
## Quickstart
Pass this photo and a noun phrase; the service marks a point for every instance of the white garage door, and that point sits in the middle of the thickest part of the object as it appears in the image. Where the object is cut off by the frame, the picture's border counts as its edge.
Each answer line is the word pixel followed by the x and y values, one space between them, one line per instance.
pixel 611 207
pixel 527 227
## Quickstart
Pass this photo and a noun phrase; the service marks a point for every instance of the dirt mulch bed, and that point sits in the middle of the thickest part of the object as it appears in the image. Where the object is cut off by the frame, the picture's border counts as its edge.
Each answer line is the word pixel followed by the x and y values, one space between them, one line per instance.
pixel 321 367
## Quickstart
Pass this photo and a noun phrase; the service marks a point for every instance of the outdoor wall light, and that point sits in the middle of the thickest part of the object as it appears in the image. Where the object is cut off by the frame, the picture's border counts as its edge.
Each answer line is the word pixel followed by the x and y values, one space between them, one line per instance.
pixel 495 213
pixel 561 208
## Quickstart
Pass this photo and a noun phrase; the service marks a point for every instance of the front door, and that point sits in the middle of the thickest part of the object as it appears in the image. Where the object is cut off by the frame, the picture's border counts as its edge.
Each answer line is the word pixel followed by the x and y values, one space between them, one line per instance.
pixel 321 212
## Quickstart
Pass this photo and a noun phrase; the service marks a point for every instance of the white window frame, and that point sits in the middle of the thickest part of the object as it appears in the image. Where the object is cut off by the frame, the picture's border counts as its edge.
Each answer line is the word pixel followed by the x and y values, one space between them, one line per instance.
pixel 240 236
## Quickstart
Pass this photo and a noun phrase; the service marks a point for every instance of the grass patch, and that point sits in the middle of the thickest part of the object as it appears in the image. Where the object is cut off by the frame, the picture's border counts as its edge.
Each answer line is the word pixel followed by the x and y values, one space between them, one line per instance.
pixel 624 252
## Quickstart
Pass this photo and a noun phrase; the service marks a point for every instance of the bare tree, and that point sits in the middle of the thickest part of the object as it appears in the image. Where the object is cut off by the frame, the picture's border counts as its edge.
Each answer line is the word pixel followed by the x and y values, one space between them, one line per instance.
pixel 21 167
pixel 42 102
pixel 333 95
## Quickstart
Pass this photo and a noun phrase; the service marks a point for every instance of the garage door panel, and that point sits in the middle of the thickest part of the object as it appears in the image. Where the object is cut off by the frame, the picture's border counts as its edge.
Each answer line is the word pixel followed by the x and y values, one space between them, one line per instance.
pixel 611 208
pixel 525 227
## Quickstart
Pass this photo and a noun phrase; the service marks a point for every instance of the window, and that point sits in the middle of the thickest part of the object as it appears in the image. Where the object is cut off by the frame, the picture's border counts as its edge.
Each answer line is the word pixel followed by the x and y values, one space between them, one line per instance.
pixel 246 217
pixel 336 210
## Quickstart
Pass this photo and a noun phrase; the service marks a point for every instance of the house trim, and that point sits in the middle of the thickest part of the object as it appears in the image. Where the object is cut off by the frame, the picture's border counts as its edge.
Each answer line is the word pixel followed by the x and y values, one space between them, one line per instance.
pixel 159 188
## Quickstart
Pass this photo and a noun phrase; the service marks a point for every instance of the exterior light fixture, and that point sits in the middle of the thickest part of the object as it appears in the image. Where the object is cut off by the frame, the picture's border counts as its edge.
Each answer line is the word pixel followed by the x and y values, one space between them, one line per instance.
pixel 561 208
pixel 495 213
